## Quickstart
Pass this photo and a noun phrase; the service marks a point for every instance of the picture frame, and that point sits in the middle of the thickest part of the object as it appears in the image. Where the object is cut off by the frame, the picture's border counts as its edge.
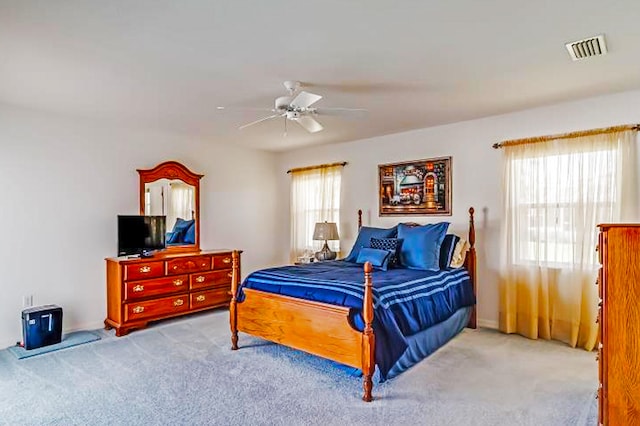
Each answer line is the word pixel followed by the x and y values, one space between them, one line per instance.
pixel 419 187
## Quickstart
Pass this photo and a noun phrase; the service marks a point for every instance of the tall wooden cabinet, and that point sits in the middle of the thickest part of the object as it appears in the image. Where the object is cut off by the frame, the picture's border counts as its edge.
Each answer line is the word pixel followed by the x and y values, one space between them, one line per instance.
pixel 141 290
pixel 619 319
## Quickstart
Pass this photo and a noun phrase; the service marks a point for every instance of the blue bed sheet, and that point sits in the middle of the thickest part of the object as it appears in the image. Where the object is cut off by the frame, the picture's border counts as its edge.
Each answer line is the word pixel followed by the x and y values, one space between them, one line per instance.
pixel 406 301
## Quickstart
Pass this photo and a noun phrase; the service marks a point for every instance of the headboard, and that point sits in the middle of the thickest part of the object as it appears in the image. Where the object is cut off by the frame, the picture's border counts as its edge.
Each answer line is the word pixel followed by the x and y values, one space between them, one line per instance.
pixel 469 261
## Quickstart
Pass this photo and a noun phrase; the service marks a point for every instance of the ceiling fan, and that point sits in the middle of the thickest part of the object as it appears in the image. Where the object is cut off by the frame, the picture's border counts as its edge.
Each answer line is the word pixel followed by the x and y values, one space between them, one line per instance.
pixel 297 106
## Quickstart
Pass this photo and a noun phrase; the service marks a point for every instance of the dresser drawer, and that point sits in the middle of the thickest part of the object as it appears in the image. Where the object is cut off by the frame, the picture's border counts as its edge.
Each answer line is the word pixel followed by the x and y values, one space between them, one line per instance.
pixel 139 271
pixel 156 308
pixel 155 287
pixel 220 278
pixel 203 299
pixel 189 264
pixel 222 261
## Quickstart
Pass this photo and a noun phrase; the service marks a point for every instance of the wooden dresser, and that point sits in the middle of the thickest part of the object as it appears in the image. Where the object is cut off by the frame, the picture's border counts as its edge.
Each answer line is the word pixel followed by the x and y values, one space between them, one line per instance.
pixel 619 319
pixel 141 290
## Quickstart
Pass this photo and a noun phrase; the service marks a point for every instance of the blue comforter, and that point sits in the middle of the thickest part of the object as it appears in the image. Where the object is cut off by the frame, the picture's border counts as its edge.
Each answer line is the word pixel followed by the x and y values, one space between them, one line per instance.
pixel 406 301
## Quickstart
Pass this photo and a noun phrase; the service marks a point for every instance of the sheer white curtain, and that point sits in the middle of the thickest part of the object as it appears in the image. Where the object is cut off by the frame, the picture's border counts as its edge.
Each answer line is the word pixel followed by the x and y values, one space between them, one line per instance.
pixel 181 200
pixel 315 197
pixel 555 193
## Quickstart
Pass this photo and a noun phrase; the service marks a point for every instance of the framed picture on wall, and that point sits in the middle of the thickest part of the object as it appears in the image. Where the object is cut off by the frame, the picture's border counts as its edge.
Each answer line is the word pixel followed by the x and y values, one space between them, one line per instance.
pixel 420 187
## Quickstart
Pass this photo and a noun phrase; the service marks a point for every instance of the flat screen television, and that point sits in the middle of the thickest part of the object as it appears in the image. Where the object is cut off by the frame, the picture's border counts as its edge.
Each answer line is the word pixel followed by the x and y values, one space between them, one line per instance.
pixel 140 234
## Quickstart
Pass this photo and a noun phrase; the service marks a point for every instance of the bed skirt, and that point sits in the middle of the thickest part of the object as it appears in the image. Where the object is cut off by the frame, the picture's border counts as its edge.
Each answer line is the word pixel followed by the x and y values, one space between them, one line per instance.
pixel 426 342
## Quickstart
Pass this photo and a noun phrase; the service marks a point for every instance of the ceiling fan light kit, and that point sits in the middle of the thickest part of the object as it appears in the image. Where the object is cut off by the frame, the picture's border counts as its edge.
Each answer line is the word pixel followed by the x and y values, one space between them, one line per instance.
pixel 297 107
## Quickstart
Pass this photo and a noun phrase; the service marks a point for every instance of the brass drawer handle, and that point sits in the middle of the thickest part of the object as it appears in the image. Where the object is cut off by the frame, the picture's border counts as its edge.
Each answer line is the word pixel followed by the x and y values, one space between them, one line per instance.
pixel 178 302
pixel 200 279
pixel 226 260
pixel 138 309
pixel 175 267
pixel 145 269
pixel 177 283
pixel 200 298
pixel 138 288
pixel 230 274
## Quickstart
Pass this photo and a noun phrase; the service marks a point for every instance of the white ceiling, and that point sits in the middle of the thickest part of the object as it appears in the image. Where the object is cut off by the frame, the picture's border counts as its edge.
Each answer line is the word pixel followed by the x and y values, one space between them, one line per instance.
pixel 168 64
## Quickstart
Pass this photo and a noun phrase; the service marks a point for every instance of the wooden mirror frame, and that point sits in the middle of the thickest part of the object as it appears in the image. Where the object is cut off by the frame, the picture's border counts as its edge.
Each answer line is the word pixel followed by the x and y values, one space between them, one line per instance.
pixel 174 170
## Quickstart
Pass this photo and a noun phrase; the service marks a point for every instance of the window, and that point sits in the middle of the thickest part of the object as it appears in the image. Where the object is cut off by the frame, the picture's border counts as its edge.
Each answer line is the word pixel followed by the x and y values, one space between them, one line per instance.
pixel 556 191
pixel 315 197
pixel 556 196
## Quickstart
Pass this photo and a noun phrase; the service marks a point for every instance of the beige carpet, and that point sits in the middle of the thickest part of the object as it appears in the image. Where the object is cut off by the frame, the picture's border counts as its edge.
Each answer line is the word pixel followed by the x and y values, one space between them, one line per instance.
pixel 182 372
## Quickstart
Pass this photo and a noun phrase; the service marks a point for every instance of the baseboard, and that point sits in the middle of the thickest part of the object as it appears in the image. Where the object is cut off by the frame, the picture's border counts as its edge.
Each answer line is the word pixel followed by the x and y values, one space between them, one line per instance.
pixel 484 323
pixel 84 326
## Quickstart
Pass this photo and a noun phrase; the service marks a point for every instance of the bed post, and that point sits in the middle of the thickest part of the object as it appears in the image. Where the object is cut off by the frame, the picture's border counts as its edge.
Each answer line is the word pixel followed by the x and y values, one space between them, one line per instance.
pixel 359 219
pixel 233 315
pixel 368 338
pixel 470 264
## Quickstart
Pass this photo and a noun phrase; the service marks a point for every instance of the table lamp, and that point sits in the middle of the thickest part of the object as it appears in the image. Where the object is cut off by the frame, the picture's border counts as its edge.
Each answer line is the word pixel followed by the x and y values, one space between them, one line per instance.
pixel 325 231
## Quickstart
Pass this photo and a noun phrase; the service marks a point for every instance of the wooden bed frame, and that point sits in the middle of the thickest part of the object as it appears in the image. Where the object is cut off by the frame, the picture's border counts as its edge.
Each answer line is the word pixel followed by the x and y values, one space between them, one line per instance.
pixel 318 328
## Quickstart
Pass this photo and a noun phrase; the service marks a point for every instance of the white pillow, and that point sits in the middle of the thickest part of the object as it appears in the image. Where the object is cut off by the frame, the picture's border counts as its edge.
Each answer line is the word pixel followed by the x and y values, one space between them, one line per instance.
pixel 459 253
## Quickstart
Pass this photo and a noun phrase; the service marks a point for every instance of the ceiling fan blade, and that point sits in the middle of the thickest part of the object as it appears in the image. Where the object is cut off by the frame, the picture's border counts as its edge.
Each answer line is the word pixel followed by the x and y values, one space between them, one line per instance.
pixel 305 99
pixel 309 123
pixel 260 121
pixel 342 112
pixel 226 108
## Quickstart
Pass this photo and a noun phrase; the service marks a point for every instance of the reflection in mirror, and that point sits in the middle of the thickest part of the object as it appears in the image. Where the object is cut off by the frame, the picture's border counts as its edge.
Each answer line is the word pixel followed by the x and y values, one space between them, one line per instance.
pixel 176 200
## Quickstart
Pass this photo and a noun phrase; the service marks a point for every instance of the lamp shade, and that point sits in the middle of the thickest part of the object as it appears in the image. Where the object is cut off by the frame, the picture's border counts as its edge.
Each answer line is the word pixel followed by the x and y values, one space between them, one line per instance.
pixel 326 231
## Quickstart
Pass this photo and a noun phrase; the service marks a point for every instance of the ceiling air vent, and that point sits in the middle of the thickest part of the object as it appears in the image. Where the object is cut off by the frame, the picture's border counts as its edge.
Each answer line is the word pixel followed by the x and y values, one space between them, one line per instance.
pixel 581 49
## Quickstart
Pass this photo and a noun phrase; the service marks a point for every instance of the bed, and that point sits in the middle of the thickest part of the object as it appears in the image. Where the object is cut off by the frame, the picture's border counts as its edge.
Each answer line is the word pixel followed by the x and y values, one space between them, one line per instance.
pixel 357 315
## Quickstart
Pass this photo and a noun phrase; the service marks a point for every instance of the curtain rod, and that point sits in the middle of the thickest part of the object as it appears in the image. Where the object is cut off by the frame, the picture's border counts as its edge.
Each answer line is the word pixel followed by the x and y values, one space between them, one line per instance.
pixel 319 166
pixel 570 135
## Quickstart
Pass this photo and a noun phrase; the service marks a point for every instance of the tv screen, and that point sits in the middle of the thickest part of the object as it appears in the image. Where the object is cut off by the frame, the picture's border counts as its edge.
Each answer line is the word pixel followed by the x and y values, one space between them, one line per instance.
pixel 138 234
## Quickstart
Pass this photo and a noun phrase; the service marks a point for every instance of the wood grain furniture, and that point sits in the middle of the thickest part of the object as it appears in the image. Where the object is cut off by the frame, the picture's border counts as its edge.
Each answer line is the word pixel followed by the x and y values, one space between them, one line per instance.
pixel 178 280
pixel 318 328
pixel 167 285
pixel 163 175
pixel 619 320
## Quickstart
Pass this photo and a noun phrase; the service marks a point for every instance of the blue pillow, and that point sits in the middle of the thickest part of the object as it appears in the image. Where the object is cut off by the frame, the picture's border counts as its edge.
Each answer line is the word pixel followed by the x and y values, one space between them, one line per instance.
pixel 378 258
pixel 190 234
pixel 179 230
pixel 364 239
pixel 172 238
pixel 182 225
pixel 392 245
pixel 421 245
pixel 446 250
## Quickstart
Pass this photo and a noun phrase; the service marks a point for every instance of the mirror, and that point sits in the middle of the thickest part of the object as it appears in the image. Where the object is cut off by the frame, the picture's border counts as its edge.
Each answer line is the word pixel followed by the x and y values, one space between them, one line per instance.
pixel 172 190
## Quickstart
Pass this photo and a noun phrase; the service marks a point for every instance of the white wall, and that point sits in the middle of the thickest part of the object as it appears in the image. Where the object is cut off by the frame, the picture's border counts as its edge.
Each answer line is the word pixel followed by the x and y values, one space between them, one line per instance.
pixel 64 181
pixel 476 169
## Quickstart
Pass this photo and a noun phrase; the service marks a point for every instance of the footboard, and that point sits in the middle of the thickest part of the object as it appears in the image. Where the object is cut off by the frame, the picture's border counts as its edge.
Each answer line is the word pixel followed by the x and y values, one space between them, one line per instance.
pixel 317 328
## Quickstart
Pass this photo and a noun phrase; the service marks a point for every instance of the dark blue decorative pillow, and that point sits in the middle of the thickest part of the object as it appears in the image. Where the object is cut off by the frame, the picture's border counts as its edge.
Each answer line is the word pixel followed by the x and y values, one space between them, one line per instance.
pixel 392 245
pixel 379 258
pixel 364 239
pixel 421 245
pixel 179 231
pixel 190 234
pixel 172 237
pixel 446 250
